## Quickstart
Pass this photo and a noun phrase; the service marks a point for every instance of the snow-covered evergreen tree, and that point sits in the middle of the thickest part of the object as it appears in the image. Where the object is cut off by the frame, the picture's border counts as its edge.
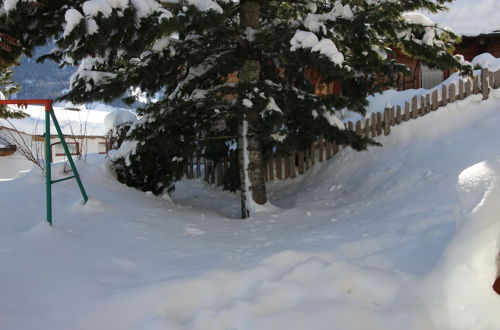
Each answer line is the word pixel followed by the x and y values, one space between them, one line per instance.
pixel 7 85
pixel 230 72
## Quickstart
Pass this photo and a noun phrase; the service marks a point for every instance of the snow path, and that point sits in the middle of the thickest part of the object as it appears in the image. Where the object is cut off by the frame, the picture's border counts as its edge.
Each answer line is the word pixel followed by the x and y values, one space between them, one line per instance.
pixel 381 237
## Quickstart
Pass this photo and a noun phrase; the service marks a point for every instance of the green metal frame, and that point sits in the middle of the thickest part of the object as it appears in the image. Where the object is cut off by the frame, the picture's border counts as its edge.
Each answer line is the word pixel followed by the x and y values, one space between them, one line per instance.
pixel 50 115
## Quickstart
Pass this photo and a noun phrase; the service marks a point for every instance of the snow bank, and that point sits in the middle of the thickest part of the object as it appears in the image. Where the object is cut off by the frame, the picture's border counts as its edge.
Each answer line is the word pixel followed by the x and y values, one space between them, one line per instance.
pixel 462 282
pixel 118 117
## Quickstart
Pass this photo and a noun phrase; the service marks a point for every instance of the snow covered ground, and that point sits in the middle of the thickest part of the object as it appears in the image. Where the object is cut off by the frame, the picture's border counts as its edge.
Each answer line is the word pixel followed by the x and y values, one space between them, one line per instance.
pixel 399 237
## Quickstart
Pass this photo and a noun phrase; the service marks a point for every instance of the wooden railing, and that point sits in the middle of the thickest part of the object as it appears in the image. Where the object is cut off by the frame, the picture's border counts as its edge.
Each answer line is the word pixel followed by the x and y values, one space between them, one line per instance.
pixel 284 166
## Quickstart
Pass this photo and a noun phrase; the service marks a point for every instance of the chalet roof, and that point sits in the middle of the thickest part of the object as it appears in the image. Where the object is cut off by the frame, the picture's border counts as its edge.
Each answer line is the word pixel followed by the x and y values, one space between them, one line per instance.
pixel 470 17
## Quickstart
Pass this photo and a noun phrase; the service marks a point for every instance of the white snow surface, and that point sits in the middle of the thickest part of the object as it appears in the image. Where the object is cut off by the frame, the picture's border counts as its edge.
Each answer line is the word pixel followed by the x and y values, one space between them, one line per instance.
pixel 399 237
pixel 118 117
pixel 83 122
pixel 470 18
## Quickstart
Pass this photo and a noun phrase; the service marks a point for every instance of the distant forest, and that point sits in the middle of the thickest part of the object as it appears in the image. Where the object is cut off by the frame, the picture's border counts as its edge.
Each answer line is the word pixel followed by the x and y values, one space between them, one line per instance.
pixel 41 80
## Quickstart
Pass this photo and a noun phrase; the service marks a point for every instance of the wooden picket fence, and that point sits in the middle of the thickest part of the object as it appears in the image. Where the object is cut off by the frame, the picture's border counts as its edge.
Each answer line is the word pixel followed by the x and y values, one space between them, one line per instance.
pixel 284 166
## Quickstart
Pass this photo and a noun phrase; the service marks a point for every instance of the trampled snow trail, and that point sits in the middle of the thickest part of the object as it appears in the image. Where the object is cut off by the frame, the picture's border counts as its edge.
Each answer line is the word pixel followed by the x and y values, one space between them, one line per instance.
pixel 403 236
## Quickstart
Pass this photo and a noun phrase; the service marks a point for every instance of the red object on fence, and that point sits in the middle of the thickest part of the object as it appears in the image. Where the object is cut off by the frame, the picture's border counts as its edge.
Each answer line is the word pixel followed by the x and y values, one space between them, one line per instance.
pixel 24 103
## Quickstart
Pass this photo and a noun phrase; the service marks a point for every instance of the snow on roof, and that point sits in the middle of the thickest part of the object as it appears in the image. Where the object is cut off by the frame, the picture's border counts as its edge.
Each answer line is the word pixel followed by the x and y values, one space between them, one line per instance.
pixel 72 122
pixel 470 17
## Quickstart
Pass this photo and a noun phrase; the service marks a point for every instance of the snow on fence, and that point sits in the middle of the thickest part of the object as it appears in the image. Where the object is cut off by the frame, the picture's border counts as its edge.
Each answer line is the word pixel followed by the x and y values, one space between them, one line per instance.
pixel 284 166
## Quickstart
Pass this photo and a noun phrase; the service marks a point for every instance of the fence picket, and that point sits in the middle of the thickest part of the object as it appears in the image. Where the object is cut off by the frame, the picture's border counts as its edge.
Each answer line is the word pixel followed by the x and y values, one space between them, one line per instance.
pixel 497 79
pixel 387 121
pixel 475 85
pixel 374 124
pixel 461 94
pixel 286 162
pixel 270 168
pixel 320 149
pixel 485 89
pixel 398 115
pixel 453 94
pixel 279 172
pixel 414 109
pixel 468 87
pixel 407 111
pixel 300 162
pixel 444 95
pixel 379 123
pixel 367 127
pixel 358 127
pixel 291 161
pixel 328 150
pixel 434 104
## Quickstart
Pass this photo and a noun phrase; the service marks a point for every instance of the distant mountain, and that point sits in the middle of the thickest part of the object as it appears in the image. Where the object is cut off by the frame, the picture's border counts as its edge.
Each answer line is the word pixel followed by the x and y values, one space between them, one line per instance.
pixel 41 80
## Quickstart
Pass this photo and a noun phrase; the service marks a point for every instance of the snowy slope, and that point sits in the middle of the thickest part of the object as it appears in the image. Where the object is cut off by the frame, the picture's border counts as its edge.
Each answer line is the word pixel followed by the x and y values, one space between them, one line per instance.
pixel 399 237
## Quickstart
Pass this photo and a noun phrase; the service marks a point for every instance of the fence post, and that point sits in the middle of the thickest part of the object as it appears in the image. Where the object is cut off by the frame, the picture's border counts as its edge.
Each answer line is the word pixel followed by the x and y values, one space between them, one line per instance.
pixel 444 95
pixel 461 94
pixel 497 79
pixel 374 124
pixel 414 109
pixel 379 123
pixel 387 121
pixel 300 160
pixel 407 111
pixel 434 104
pixel 475 85
pixel 453 94
pixel 398 115
pixel 485 89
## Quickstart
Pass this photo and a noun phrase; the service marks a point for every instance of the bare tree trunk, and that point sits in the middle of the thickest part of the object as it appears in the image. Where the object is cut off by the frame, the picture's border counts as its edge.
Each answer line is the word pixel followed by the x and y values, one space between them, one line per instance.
pixel 251 163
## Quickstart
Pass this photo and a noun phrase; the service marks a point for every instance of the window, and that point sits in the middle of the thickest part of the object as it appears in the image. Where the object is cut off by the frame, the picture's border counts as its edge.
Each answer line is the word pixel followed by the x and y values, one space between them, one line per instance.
pixel 73 148
pixel 103 147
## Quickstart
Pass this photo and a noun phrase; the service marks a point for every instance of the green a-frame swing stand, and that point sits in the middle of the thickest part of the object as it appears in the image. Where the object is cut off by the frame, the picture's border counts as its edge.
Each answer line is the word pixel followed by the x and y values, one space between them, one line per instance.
pixel 49 115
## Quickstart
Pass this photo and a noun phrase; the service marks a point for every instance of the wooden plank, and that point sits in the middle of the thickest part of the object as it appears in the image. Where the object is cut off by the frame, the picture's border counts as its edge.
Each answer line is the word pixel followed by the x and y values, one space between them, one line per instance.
pixel 286 162
pixel 475 85
pixel 491 79
pixel 191 168
pixel 444 95
pixel 485 88
pixel 461 93
pixel 328 150
pixel 358 127
pixel 468 87
pixel 367 127
pixel 379 123
pixel 291 161
pixel 393 116
pixel 434 104
pixel 423 106
pixel 198 169
pixel 321 144
pixel 497 79
pixel 207 171
pixel 374 124
pixel 270 168
pixel 218 175
pixel 387 121
pixel 312 158
pixel 279 172
pixel 300 162
pixel 427 103
pixel 212 173
pixel 350 126
pixel 398 115
pixel 307 160
pixel 407 111
pixel 452 93
pixel 414 109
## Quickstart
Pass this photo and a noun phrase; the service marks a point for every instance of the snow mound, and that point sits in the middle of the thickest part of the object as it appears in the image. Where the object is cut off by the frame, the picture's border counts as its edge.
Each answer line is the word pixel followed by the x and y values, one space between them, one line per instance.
pixel 462 282
pixel 117 118
pixel 486 61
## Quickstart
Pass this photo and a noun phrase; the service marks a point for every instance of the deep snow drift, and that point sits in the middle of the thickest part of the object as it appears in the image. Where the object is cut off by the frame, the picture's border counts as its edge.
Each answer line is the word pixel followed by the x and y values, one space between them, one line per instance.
pixel 399 237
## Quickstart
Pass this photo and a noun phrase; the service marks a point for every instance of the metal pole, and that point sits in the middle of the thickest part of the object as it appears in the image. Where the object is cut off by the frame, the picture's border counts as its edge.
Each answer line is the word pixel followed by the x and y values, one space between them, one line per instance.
pixel 48 161
pixel 68 154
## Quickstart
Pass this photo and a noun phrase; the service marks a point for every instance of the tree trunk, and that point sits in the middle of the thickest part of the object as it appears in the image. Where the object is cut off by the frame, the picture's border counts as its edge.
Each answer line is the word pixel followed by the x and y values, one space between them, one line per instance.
pixel 253 187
